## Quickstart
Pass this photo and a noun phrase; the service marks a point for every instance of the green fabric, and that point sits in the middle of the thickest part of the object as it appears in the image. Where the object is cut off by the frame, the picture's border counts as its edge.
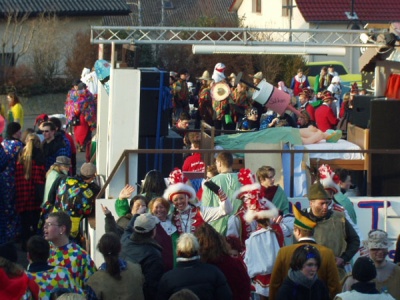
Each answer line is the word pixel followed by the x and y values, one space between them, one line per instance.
pixel 344 201
pixel 274 135
pixel 316 83
pixel 51 177
pixel 281 201
pixel 229 183
pixel 316 103
pixel 174 237
pixel 122 207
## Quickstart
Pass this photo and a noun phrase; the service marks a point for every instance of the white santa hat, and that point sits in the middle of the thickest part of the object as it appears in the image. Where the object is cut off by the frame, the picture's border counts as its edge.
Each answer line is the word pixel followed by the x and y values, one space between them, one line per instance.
pixel 256 206
pixel 328 178
pixel 177 186
pixel 218 74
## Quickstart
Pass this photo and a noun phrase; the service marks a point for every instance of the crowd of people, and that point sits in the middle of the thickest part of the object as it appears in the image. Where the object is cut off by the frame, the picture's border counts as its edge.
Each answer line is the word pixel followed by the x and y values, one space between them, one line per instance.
pixel 233 242
pixel 232 235
pixel 228 104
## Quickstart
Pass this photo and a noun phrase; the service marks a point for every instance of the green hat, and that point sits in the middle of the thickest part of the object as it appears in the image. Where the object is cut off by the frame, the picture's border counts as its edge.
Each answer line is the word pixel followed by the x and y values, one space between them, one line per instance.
pixel 317 192
pixel 302 221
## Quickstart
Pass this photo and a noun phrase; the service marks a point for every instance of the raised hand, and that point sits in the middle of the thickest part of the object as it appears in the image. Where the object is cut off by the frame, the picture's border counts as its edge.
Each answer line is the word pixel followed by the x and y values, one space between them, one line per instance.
pixel 126 192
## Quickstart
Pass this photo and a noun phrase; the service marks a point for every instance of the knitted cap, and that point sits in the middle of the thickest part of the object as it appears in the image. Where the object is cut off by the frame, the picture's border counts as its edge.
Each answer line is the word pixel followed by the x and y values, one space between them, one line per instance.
pixel 364 269
pixel 12 128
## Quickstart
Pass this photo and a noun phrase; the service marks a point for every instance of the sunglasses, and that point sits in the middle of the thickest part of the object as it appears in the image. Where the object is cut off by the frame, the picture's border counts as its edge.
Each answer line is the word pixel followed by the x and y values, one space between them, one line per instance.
pixel 253 112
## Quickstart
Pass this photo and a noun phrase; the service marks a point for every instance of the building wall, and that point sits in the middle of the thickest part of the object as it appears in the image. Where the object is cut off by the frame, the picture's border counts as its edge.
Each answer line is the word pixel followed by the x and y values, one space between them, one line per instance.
pixel 271 17
pixel 62 32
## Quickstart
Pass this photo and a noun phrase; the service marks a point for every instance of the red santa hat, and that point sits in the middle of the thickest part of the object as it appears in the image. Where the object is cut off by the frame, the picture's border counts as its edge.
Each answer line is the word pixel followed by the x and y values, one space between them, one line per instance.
pixel 177 186
pixel 328 178
pixel 250 193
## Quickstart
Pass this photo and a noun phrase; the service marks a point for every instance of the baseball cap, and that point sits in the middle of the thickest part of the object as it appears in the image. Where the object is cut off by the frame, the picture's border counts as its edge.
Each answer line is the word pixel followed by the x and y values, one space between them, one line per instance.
pixel 145 223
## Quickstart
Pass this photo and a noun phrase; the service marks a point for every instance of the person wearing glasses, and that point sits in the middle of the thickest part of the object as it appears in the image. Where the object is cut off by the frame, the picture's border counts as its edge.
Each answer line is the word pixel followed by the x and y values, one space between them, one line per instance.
pixel 53 144
pixel 251 121
pixel 302 281
pixel 65 253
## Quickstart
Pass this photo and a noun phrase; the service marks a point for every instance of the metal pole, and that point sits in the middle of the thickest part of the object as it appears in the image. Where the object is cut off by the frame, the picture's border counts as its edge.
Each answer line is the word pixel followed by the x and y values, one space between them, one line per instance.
pixel 162 12
pixel 139 4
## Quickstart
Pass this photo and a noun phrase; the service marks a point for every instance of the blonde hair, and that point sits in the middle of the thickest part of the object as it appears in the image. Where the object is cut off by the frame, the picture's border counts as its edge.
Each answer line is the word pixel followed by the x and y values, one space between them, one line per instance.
pixel 54 167
pixel 25 157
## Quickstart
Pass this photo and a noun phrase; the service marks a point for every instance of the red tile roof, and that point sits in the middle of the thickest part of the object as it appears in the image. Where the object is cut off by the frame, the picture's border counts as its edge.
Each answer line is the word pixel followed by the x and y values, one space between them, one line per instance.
pixel 372 11
pixel 184 13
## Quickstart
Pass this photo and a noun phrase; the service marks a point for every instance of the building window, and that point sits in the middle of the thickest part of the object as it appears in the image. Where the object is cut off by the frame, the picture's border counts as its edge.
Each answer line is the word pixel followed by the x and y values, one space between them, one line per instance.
pixel 257 6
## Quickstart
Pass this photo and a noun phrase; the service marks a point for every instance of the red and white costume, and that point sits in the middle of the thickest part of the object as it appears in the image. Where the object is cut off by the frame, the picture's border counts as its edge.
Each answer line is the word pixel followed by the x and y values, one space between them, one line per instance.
pixel 194 215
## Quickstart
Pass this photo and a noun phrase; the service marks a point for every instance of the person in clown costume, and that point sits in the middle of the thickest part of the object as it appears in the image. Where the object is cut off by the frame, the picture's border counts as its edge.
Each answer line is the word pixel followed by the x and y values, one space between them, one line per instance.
pixel 187 215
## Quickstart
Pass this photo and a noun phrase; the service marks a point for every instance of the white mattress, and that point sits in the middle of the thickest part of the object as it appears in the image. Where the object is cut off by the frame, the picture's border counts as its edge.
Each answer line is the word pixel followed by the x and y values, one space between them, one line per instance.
pixel 340 145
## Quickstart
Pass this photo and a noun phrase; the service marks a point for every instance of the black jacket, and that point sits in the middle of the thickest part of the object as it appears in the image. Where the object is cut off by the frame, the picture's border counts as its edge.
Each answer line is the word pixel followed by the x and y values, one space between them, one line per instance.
pixel 292 291
pixel 205 280
pixel 147 253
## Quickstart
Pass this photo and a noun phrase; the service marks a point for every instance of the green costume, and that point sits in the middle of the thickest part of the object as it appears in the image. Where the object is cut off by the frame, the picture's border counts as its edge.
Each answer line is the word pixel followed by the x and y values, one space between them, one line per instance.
pixel 344 201
pixel 229 183
pixel 281 201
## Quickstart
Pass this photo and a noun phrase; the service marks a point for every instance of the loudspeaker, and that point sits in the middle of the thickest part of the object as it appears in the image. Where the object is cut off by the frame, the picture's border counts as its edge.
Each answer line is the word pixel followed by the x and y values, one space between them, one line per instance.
pixel 154 103
pixel 151 118
pixel 360 115
pixel 385 168
pixel 164 163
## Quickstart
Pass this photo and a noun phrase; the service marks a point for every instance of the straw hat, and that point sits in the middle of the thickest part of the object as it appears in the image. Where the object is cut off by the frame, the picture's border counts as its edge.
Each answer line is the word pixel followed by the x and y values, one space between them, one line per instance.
pixel 232 76
pixel 258 75
pixel 220 91
pixel 205 76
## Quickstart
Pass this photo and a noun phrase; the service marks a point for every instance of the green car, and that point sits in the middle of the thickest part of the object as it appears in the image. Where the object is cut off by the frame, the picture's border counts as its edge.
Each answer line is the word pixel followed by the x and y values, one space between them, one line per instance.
pixel 346 79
